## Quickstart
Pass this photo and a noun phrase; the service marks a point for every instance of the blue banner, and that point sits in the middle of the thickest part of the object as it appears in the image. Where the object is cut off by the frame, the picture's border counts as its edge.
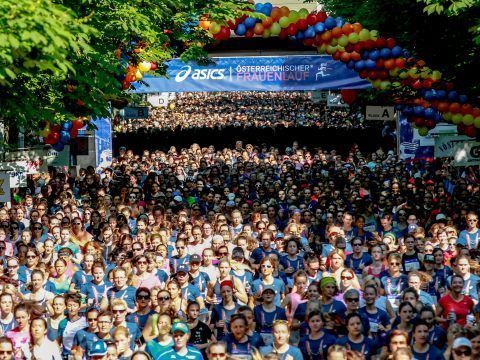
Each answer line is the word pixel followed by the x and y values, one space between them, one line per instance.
pixel 103 142
pixel 412 145
pixel 259 73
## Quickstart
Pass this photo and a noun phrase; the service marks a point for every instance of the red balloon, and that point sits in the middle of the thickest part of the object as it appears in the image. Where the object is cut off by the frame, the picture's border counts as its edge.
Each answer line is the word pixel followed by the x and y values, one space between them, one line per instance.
pixel 77 124
pixel 466 109
pixel 363 74
pixel 461 128
pixel 336 55
pixel 345 57
pixel 400 63
pixel 380 63
pixel 283 33
pixel 308 42
pixel 381 42
pixel 470 131
pixel 292 30
pixel 442 106
pixel 250 34
pixel 55 128
pixel 430 123
pixel 454 108
pixel 224 33
pixel 391 43
pixel 302 24
pixel 370 44
pixel 258 29
pixel 312 19
pixel 153 66
pixel 420 122
pixel 358 47
pixel 372 74
pixel 355 56
pixel 321 16
pixel 52 138
pixel 389 64
pixel 349 95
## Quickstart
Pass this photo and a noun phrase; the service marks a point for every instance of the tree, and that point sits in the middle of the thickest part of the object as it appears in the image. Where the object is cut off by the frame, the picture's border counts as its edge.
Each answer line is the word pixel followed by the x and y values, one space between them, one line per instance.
pixel 64 59
pixel 440 40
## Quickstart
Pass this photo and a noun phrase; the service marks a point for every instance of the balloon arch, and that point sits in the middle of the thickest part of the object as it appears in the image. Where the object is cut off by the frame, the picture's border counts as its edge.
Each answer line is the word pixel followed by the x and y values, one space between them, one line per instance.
pixel 420 93
pixel 426 99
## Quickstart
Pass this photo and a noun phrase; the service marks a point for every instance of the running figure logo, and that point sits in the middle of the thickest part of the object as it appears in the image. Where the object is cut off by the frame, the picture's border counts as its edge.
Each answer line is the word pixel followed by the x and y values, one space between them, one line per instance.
pixel 321 71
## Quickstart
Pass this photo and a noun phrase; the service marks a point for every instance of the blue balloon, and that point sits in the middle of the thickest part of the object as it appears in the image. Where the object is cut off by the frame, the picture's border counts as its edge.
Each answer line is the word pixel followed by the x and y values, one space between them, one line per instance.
pixel 309 33
pixel 398 107
pixel 258 7
pixel 350 64
pixel 66 125
pixel 319 27
pixel 462 99
pixel 300 35
pixel 360 65
pixel 64 137
pixel 418 111
pixel 422 92
pixel 268 5
pixel 330 23
pixel 250 22
pixel 58 146
pixel 397 51
pixel 370 64
pixel 385 53
pixel 452 95
pixel 429 113
pixel 406 54
pixel 241 30
pixel 438 117
pixel 407 110
pixel 365 55
pixel 429 95
pixel 441 94
pixel 266 11
pixel 374 55
pixel 340 21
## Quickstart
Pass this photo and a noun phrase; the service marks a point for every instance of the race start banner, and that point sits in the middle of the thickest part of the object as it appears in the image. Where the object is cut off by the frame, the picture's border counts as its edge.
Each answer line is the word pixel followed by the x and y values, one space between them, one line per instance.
pixel 258 73
pixel 412 145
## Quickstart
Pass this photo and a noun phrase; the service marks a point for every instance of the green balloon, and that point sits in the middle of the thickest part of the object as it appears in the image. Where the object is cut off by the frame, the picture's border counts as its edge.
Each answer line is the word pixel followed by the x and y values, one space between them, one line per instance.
pixel 343 40
pixel 447 116
pixel 266 33
pixel 374 34
pixel 468 119
pixel 353 38
pixel 476 122
pixel 284 22
pixel 364 35
pixel 457 119
pixel 294 16
pixel 275 29
pixel 384 85
pixel 303 13
pixel 423 131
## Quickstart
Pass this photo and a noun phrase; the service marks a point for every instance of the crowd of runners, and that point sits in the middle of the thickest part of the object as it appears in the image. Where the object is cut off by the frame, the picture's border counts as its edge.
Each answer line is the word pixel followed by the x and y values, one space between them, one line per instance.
pixel 247 252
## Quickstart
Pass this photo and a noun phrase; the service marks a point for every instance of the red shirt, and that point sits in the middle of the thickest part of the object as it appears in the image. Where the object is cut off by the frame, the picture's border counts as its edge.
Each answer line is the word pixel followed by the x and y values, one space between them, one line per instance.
pixel 461 308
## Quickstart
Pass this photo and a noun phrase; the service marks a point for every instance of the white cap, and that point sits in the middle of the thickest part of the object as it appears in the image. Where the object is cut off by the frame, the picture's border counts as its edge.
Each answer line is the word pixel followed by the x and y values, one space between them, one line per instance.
pixel 461 341
pixel 178 198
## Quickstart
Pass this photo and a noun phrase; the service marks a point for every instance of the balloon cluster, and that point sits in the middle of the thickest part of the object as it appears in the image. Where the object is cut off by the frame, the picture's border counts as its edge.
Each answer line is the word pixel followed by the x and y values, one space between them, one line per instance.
pixel 59 135
pixel 381 61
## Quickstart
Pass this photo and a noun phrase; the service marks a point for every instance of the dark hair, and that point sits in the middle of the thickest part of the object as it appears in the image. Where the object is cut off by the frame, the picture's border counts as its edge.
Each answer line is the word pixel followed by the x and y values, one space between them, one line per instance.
pixel 418 323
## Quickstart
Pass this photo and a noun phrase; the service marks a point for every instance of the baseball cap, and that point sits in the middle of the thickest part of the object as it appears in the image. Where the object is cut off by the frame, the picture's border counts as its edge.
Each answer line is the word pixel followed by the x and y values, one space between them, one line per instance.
pixel 180 326
pixel 440 217
pixel 412 228
pixel 429 258
pixel 182 268
pixel 231 196
pixel 122 148
pixel 279 235
pixel 230 203
pixel 461 341
pixel 195 258
pixel 430 182
pixel 99 348
pixel 178 198
pixel 268 288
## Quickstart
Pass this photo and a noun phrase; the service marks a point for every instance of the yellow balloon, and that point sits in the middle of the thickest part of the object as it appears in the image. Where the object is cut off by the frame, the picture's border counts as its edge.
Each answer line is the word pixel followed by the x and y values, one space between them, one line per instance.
pixel 144 66
pixel 436 75
pixel 45 131
pixel 138 75
pixel 374 34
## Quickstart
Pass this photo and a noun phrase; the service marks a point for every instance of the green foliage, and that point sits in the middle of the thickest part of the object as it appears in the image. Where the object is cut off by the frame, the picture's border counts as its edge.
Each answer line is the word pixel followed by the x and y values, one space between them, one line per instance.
pixel 58 58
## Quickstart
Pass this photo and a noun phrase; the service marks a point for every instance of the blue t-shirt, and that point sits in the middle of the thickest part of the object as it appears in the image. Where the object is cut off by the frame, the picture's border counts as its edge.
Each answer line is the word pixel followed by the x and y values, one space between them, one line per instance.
pixel 354 263
pixel 80 278
pixel 264 320
pixel 432 353
pixel 192 354
pixel 220 313
pixel 470 240
pixel 259 253
pixel 140 320
pixel 316 349
pixel 379 318
pixel 293 351
pixel 95 292
pixel 258 285
pixel 366 347
pixel 127 294
pixel 287 262
pixel 155 350
pixel 190 292
pixel 200 282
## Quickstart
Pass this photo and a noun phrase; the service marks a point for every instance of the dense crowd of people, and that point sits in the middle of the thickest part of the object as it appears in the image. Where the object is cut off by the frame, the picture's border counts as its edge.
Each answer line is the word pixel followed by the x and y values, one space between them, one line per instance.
pixel 247 252
pixel 241 109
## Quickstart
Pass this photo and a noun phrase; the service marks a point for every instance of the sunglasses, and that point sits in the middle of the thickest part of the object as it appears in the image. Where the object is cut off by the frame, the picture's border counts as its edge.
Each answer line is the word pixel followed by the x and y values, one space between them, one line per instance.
pixel 40 228
pixel 217 355
pixel 118 311
pixel 346 277
pixel 394 263
pixel 92 319
pixel 143 297
pixel 142 263
pixel 31 256
pixel 163 298
pixel 223 253
pixel 467 352
pixel 351 299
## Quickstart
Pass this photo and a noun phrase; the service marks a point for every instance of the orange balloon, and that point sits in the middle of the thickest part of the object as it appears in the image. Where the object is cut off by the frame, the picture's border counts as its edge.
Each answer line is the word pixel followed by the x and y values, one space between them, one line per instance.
pixel 442 106
pixel 357 27
pixel 326 36
pixel 337 32
pixel 258 29
pixel 204 24
pixel 389 64
pixel 400 63
pixel 454 107
pixel 276 13
pixel 285 11
pixel 267 22
pixel 347 29
pixel 355 56
pixel 345 57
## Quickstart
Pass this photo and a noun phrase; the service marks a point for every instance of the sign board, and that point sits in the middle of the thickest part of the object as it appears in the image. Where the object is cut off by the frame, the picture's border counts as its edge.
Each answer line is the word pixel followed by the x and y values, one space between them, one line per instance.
pixel 103 143
pixel 54 158
pixel 254 73
pixel 18 179
pixel 445 144
pixel 319 97
pixel 335 100
pixel 381 113
pixel 4 187
pixel 412 145
pixel 160 100
pixel 466 154
pixel 135 112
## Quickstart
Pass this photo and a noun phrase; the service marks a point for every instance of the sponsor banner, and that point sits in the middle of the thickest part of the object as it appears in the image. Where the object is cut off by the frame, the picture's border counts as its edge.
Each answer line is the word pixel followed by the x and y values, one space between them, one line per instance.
pixel 466 154
pixel 319 97
pixel 160 100
pixel 381 113
pixel 445 144
pixel 4 187
pixel 103 143
pixel 259 73
pixel 336 100
pixel 135 112
pixel 412 145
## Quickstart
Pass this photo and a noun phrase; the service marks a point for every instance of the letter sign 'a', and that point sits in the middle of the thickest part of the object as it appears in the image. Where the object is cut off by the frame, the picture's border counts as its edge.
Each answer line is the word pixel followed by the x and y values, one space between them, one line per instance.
pixel 386 114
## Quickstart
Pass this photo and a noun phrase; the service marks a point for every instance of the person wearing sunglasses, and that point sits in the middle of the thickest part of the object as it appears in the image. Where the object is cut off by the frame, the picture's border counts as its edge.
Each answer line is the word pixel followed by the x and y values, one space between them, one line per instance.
pixel 217 350
pixel 462 349
pixel 182 257
pixel 393 281
pixel 143 277
pixel 470 237
pixel 85 337
pixel 266 278
pixel 266 237
pixel 358 259
pixel 143 308
pixel 6 348
pixel 119 311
